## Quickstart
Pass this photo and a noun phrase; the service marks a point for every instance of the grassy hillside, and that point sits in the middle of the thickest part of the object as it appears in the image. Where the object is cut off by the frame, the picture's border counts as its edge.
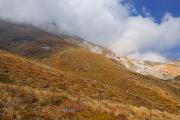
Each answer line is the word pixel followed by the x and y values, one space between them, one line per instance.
pixel 31 90
pixel 60 79
pixel 129 87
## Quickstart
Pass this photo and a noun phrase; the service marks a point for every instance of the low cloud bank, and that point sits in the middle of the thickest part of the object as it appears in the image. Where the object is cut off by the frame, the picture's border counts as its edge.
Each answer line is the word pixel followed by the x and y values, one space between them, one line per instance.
pixel 106 22
pixel 148 56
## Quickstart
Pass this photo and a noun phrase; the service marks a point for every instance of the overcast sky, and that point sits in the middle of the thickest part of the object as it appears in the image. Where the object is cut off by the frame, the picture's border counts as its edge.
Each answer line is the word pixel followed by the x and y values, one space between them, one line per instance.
pixel 127 28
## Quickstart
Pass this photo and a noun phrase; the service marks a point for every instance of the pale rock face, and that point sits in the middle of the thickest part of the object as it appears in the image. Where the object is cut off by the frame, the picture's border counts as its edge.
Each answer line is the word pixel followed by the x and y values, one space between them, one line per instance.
pixel 96 49
pixel 163 71
pixel 46 47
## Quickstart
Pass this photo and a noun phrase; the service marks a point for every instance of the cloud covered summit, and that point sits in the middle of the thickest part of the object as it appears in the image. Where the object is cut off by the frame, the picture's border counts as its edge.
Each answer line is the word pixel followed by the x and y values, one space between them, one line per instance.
pixel 106 22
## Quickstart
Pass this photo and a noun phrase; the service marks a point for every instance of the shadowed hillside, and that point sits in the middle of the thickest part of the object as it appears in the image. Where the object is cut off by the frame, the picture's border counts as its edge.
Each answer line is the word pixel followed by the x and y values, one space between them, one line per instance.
pixel 30 41
pixel 35 43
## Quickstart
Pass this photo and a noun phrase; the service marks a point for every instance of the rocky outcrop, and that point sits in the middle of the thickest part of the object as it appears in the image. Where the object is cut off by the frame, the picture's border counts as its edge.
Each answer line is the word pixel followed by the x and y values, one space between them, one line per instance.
pixel 163 71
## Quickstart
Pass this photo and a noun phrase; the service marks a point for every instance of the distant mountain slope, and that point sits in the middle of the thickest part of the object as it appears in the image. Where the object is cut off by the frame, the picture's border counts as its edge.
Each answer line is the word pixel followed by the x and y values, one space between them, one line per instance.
pixel 35 43
pixel 29 41
pixel 166 71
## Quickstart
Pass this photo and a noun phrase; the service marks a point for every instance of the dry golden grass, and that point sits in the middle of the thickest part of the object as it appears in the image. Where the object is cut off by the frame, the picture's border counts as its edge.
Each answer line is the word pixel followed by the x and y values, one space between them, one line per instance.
pixel 129 112
pixel 31 90
pixel 26 103
pixel 127 87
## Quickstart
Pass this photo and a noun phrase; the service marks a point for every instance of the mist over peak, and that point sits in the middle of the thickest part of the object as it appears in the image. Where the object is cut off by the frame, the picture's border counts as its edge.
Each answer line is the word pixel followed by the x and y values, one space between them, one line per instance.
pixel 105 22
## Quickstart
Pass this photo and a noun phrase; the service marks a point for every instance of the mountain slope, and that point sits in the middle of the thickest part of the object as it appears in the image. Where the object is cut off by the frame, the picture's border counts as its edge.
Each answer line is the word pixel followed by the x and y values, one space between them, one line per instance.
pixel 17 71
pixel 30 41
pixel 138 90
pixel 64 77
pixel 35 43
pixel 33 80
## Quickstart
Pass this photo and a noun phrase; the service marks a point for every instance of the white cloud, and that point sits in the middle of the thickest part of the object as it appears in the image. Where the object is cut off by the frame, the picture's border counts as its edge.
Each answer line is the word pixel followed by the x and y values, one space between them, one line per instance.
pixel 93 20
pixel 107 22
pixel 148 56
pixel 143 35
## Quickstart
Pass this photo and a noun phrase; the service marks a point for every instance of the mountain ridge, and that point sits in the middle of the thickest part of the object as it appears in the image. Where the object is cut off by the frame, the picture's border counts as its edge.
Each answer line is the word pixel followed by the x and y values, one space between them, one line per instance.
pixel 79 78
